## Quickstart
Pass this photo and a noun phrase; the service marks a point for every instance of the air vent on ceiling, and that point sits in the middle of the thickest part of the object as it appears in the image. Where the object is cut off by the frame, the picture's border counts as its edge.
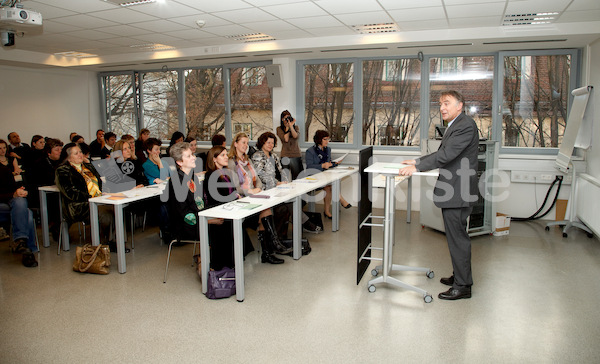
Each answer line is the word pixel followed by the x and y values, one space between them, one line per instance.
pixel 529 19
pixel 211 58
pixel 153 46
pixel 376 28
pixel 126 3
pixel 253 37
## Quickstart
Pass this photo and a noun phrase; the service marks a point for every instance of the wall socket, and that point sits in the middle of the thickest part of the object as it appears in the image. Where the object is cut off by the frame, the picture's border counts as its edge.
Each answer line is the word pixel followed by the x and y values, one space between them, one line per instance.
pixel 544 177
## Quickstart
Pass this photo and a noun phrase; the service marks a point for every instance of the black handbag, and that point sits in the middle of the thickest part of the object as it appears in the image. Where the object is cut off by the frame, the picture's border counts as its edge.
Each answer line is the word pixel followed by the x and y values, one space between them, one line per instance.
pixel 221 283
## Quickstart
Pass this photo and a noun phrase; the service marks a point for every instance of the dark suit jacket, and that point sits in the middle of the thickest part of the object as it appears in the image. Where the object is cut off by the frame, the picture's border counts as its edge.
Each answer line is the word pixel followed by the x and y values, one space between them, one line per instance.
pixel 459 147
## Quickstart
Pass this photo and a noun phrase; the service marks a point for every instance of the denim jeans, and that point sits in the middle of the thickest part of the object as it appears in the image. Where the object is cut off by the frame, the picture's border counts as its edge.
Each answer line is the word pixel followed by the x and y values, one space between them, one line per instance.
pixel 23 225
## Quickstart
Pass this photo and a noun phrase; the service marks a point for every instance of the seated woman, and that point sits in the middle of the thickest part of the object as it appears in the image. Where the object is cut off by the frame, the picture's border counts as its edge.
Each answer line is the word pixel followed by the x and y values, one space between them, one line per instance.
pixel 271 173
pixel 124 157
pixel 153 167
pixel 184 208
pixel 318 157
pixel 37 149
pixel 77 182
pixel 248 183
pixel 175 138
pixel 7 161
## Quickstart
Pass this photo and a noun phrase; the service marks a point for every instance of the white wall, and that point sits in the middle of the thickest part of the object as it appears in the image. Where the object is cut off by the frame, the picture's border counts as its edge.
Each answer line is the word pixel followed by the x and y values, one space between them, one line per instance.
pixel 593 78
pixel 49 102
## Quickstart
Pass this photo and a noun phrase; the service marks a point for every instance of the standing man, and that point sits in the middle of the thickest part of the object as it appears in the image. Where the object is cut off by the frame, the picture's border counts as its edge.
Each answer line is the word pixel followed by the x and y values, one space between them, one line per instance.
pixel 456 188
pixel 97 145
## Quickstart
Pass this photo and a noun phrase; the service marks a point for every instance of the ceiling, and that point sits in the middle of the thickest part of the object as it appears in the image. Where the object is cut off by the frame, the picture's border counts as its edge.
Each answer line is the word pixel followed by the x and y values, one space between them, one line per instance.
pixel 117 36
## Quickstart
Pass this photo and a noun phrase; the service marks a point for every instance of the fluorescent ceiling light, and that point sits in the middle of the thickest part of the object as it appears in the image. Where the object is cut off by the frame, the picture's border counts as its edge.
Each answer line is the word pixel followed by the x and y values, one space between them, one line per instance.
pixel 153 46
pixel 376 28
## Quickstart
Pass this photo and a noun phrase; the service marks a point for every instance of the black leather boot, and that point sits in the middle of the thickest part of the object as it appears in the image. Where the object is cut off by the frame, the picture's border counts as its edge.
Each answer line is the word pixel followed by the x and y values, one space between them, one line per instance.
pixel 269 226
pixel 267 254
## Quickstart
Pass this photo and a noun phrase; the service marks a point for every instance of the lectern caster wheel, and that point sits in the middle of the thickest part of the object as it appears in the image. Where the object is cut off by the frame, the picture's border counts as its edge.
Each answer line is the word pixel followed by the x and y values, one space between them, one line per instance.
pixel 430 274
pixel 427 298
pixel 374 272
pixel 565 235
pixel 547 228
pixel 371 288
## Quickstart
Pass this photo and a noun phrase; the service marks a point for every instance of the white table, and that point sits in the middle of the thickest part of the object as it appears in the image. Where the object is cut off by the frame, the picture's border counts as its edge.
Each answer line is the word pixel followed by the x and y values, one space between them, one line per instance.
pixel 390 171
pixel 284 193
pixel 134 195
pixel 44 191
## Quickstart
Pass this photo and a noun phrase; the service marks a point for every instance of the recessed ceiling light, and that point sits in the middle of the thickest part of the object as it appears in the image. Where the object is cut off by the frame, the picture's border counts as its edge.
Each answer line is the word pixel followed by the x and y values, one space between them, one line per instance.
pixel 376 28
pixel 75 54
pixel 253 37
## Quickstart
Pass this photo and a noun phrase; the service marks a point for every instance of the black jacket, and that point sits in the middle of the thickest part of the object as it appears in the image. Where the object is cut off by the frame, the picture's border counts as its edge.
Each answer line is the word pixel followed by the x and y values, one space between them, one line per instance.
pixel 74 192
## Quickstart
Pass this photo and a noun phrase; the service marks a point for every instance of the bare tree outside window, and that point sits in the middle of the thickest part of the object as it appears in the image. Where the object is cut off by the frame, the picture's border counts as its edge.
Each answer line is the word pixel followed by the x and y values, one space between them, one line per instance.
pixel 121 113
pixel 160 103
pixel 329 100
pixel 391 102
pixel 251 101
pixel 536 94
pixel 205 102
pixel 473 77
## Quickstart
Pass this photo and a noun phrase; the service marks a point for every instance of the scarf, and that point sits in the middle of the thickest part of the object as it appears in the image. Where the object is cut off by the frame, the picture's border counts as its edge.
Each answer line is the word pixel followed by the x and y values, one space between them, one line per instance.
pixel 90 180
pixel 247 182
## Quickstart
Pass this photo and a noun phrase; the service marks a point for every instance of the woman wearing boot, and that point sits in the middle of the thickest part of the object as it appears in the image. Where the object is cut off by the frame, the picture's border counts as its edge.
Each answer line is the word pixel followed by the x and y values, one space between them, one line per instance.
pixel 249 183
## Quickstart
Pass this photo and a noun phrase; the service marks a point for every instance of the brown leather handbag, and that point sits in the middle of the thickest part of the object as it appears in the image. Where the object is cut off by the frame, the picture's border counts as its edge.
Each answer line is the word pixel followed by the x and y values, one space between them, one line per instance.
pixel 90 259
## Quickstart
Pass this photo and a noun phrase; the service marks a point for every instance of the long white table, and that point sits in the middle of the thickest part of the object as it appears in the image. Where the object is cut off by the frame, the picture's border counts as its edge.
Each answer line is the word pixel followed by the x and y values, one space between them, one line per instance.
pixel 390 171
pixel 237 212
pixel 137 194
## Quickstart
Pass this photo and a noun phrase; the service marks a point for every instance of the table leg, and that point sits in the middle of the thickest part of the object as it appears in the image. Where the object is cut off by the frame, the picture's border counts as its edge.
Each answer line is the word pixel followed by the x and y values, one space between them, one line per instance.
pixel 238 253
pixel 66 245
pixel 120 231
pixel 335 205
pixel 94 227
pixel 297 231
pixel 409 199
pixel 204 251
pixel 44 213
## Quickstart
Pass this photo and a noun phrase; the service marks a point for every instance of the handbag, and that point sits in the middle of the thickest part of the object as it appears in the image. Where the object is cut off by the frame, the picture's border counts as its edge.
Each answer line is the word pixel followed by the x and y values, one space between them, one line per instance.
pixel 90 259
pixel 221 283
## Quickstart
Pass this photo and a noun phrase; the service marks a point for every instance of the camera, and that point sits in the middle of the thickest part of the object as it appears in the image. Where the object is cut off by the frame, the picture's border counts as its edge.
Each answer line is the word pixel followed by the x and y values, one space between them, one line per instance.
pixel 289 118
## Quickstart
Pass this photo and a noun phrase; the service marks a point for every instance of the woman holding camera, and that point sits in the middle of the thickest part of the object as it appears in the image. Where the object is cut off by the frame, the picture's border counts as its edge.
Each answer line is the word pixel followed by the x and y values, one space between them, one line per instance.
pixel 289 133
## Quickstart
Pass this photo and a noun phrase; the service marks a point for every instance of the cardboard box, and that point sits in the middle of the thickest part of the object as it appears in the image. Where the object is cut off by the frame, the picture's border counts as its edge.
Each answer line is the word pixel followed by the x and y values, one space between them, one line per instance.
pixel 502 224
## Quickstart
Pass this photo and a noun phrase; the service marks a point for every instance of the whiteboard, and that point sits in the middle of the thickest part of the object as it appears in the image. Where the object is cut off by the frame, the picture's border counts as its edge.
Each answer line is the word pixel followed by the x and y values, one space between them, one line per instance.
pixel 581 96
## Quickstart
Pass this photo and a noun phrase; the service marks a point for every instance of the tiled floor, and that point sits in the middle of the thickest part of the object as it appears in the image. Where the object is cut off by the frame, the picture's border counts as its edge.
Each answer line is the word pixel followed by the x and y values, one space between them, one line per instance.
pixel 535 299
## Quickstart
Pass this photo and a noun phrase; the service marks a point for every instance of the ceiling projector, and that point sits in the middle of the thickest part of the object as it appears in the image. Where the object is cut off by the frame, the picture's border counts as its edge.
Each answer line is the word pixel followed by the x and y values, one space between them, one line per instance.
pixel 17 18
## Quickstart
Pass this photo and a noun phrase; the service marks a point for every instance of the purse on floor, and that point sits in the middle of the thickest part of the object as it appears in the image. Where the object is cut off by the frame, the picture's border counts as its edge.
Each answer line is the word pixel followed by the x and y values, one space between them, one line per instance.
pixel 91 259
pixel 221 283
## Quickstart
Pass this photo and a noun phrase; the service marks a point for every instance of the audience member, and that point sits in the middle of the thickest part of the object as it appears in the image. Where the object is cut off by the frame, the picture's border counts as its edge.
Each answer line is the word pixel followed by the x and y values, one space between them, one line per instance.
pixel 140 149
pixel 153 165
pixel 175 138
pixel 77 139
pixel 124 157
pixel 8 161
pixel 72 135
pixel 37 149
pixel 217 139
pixel 318 158
pixel 109 142
pixel 97 144
pixel 17 150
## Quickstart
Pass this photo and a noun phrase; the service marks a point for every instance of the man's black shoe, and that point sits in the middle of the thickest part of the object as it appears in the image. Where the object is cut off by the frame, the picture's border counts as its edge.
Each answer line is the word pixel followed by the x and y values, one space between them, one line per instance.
pixel 28 260
pixel 449 281
pixel 112 245
pixel 455 294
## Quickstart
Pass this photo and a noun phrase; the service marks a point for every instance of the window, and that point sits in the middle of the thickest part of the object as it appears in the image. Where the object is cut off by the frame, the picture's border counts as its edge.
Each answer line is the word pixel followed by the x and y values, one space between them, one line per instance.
pixel 120 94
pixel 205 102
pixel 474 79
pixel 391 102
pixel 160 103
pixel 251 101
pixel 328 100
pixel 535 97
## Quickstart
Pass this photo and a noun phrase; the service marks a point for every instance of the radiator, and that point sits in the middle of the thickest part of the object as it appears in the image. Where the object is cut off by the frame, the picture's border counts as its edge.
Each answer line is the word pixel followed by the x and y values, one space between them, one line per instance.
pixel 588 195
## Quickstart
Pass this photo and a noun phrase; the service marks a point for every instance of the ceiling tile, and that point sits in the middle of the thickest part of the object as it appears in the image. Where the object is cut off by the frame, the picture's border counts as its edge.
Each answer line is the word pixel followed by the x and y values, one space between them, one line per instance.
pixel 274 2
pixel 92 34
pixel 395 4
pixel 315 22
pixel 584 5
pixel 424 25
pixel 123 15
pixel 85 21
pixel 79 6
pixel 122 41
pixel 374 17
pixel 166 10
pixel 51 26
pixel 477 2
pixel 291 34
pixel 160 26
pixel 575 16
pixel 214 6
pixel 156 38
pixel 535 6
pixel 123 30
pixel 296 10
pixel 225 30
pixel 474 10
pixel 476 22
pixel 349 6
pixel 270 27
pixel 190 34
pixel 331 31
pixel 245 15
pixel 417 14
pixel 211 20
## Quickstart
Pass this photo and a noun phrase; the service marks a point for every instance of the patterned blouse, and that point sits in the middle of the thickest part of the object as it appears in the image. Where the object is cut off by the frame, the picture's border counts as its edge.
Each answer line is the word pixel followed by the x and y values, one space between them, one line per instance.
pixel 268 168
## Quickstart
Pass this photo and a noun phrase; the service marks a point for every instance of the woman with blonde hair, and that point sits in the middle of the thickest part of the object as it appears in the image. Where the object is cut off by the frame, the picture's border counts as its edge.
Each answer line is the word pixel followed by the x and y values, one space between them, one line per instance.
pixel 248 183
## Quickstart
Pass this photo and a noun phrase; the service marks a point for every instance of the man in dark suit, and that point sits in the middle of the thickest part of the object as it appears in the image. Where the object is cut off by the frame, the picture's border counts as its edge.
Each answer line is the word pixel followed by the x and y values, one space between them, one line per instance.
pixel 456 188
pixel 97 144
